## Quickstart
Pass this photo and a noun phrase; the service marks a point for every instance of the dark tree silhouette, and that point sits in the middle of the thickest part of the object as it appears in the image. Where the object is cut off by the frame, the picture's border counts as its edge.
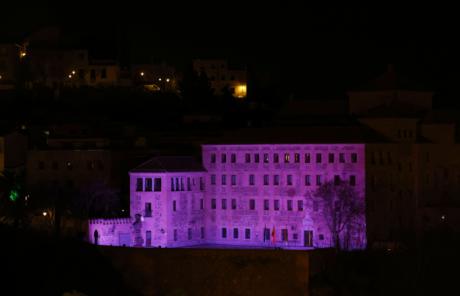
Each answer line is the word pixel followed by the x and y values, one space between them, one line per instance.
pixel 342 208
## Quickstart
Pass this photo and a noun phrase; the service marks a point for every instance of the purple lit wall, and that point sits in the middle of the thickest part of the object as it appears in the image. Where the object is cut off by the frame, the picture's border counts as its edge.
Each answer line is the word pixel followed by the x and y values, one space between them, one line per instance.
pixel 251 195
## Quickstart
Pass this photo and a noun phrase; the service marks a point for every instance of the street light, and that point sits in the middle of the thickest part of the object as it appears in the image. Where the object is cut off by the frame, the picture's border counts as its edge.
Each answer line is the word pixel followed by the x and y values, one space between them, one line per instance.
pixel 44 214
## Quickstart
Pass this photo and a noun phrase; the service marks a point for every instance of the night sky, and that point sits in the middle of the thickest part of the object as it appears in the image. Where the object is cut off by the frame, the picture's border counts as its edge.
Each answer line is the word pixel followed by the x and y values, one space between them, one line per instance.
pixel 319 49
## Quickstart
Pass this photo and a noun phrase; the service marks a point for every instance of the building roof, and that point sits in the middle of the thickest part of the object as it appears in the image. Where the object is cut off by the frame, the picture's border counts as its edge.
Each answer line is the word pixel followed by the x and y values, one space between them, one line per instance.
pixel 394 109
pixel 392 80
pixel 303 135
pixel 164 164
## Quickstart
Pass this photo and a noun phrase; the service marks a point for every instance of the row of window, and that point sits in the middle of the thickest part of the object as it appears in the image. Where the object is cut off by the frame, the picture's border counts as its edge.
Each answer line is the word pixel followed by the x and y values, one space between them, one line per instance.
pixel 276 180
pixel 189 234
pixel 296 158
pixel 252 204
pixel 174 205
pixel 91 165
pixel 146 184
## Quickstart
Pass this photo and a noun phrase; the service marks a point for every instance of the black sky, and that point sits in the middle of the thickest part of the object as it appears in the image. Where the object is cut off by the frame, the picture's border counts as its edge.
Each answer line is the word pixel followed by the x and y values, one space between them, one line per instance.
pixel 302 45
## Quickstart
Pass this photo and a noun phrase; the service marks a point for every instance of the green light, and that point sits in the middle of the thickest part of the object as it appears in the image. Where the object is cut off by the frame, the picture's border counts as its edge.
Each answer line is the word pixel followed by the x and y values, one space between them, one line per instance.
pixel 13 195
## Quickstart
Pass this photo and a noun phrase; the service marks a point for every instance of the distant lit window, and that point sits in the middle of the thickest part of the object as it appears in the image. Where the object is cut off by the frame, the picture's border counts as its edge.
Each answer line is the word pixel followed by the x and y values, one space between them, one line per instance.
pixel 307 158
pixel 307 180
pixel 296 157
pixel 148 184
pixel 266 158
pixel 287 157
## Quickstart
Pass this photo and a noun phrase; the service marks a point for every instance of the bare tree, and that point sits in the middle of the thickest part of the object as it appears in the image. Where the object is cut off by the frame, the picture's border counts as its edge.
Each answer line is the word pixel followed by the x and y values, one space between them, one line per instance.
pixel 342 208
pixel 97 198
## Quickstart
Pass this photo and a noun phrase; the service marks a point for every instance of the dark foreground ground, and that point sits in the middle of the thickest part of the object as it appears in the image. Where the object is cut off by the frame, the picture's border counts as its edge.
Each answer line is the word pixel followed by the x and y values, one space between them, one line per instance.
pixel 35 265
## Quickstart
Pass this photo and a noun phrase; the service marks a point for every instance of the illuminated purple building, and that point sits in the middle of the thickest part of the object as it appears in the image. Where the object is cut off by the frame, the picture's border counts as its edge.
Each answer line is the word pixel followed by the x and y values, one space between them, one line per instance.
pixel 255 195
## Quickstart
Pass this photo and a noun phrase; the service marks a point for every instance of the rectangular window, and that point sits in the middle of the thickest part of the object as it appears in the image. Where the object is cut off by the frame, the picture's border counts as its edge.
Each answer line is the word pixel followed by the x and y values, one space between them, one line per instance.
pixel 318 158
pixel 139 184
pixel 233 180
pixel 202 232
pixel 266 234
pixel 177 184
pixel 201 184
pixel 247 233
pixel 354 158
pixel 307 180
pixel 224 232
pixel 201 204
pixel 224 204
pixel 235 233
pixel 287 157
pixel 266 158
pixel 300 205
pixel 224 179
pixel 276 180
pixel 233 158
pixel 213 179
pixel 307 158
pixel 266 179
pixel 284 235
pixel 175 235
pixel 251 180
pixel 296 157
pixel 182 187
pixel 266 205
pixel 276 205
pixel 289 205
pixel 247 158
pixel 233 203
pixel 174 205
pixel 256 158
pixel 213 203
pixel 252 204
pixel 157 185
pixel 223 158
pixel 336 180
pixel 148 184
pixel 289 179
pixel 189 184
pixel 276 158
pixel 148 209
pixel 352 180
pixel 318 180
pixel 172 184
pixel 213 158
pixel 342 157
pixel 331 157
pixel 189 234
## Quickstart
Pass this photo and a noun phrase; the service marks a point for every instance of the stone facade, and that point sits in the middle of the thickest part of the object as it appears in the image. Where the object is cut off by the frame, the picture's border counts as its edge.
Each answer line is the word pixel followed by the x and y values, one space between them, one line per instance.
pixel 246 195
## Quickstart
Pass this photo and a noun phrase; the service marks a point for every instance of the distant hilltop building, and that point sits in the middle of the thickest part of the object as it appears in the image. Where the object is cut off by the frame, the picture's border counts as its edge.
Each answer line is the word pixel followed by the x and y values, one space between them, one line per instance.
pixel 222 76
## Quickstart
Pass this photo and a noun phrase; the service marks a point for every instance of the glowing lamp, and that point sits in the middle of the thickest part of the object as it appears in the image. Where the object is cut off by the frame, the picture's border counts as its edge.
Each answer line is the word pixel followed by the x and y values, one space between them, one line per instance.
pixel 443 217
pixel 70 75
pixel 142 73
pixel 22 54
pixel 240 91
pixel 167 79
pixel 159 79
pixel 13 195
pixel 1 76
pixel 73 72
pixel 44 214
